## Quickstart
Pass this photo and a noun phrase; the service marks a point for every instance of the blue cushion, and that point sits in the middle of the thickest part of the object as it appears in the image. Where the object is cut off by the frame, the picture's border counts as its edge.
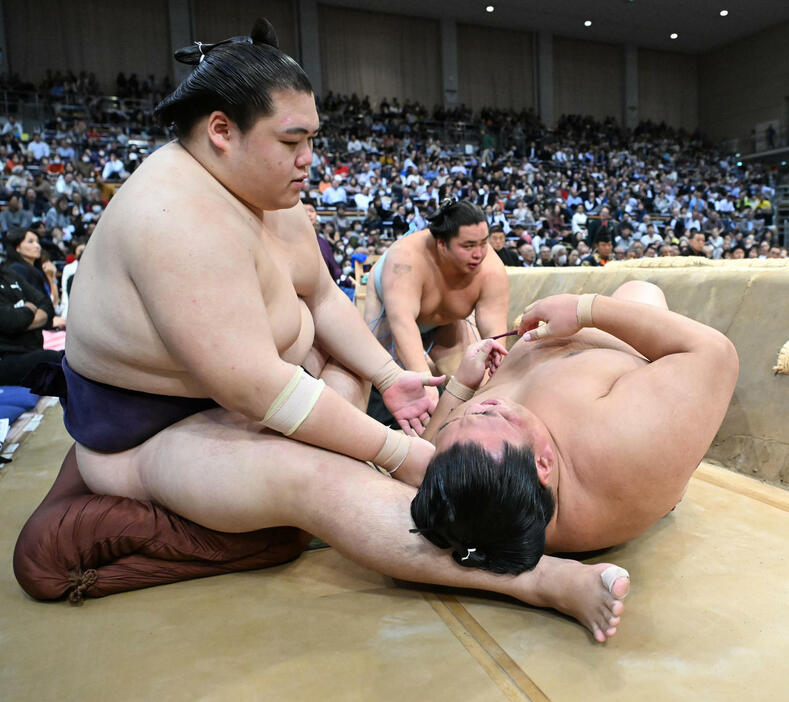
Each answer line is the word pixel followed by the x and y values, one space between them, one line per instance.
pixel 19 396
pixel 10 412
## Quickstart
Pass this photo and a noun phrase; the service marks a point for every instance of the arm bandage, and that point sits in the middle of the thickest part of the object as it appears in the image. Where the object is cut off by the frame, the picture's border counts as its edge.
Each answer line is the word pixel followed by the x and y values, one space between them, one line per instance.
pixel 387 375
pixel 394 451
pixel 457 389
pixel 294 403
pixel 583 313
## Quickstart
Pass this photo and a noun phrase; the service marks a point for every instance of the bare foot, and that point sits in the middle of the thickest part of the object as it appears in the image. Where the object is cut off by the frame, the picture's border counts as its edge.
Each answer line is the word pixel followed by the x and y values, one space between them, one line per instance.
pixel 579 591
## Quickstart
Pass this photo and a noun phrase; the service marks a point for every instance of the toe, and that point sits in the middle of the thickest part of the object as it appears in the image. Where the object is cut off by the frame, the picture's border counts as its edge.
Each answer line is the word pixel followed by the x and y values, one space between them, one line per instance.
pixel 610 631
pixel 620 588
pixel 617 608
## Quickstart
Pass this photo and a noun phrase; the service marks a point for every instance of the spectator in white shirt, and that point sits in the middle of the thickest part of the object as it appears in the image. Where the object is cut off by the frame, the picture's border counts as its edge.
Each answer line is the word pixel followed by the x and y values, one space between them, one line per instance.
pixel 37 148
pixel 334 193
pixel 114 168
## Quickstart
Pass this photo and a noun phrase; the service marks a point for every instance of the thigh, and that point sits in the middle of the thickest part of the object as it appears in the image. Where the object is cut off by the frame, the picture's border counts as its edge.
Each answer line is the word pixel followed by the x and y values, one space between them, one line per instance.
pixel 220 470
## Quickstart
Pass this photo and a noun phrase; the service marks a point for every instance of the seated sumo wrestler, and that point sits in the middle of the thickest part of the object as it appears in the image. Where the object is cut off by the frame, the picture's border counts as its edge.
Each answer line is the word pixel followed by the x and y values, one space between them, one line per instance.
pixel 581 439
pixel 270 306
pixel 436 290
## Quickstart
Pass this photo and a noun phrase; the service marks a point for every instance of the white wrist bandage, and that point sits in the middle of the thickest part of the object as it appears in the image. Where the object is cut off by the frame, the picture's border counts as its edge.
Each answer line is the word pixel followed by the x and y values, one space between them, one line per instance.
pixel 394 451
pixel 294 403
pixel 387 375
pixel 583 313
pixel 457 389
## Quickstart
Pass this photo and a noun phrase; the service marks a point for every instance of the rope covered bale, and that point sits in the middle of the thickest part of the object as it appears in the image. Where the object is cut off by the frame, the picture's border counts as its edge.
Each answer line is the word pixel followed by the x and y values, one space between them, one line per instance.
pixel 698 262
pixel 782 364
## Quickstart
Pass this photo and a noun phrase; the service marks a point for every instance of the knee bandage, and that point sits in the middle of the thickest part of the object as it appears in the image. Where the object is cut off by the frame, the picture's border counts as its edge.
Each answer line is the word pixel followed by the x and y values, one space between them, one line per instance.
pixel 292 406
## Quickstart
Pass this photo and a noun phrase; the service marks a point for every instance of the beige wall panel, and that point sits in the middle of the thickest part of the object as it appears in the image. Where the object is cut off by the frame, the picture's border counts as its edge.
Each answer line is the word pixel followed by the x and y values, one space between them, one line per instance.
pixel 668 85
pixel 100 37
pixel 588 78
pixel 217 21
pixel 744 84
pixel 495 67
pixel 380 55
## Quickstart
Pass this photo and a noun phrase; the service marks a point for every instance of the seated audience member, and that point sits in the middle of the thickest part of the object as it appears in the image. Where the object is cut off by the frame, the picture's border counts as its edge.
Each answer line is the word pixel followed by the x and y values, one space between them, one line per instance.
pixel 696 244
pixel 602 251
pixel 67 277
pixel 59 215
pixel 23 256
pixel 498 243
pixel 527 254
pixel 24 311
pixel 114 169
pixel 13 216
pixel 552 454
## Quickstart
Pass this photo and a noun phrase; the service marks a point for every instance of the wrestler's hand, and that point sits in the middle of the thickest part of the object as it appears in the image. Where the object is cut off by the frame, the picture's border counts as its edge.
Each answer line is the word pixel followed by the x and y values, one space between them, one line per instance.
pixel 409 402
pixel 413 469
pixel 559 312
pixel 477 358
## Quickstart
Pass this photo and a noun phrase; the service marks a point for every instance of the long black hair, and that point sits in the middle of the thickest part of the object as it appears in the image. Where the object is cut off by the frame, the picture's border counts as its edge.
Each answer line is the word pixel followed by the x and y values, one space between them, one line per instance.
pixel 491 512
pixel 236 76
pixel 451 215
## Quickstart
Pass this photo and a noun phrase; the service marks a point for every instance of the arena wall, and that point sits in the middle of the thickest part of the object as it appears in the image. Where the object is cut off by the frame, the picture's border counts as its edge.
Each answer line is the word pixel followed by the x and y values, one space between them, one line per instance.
pixel 588 78
pixel 495 67
pixel 746 301
pixel 668 88
pixel 214 21
pixel 94 36
pixel 380 55
pixel 745 84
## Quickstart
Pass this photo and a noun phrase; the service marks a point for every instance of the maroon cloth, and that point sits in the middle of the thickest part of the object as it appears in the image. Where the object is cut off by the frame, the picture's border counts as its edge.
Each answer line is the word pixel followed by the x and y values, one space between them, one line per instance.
pixel 78 544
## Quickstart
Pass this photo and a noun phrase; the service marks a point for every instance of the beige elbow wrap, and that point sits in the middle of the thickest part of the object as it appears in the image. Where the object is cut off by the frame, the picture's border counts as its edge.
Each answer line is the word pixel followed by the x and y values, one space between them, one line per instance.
pixel 387 375
pixel 292 406
pixel 394 451
pixel 583 313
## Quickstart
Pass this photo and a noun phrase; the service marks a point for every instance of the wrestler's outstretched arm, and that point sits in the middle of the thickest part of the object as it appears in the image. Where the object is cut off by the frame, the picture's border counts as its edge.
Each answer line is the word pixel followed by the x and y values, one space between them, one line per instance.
pixel 402 298
pixel 675 403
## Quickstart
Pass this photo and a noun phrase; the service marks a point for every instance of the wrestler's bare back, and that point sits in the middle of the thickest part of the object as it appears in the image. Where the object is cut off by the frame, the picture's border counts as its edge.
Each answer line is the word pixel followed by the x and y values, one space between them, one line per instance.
pixel 169 215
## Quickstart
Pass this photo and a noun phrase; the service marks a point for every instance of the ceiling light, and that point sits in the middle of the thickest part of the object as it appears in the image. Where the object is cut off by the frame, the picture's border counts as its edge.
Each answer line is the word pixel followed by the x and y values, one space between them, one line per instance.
pixel 489 8
pixel 588 23
pixel 674 36
pixel 724 13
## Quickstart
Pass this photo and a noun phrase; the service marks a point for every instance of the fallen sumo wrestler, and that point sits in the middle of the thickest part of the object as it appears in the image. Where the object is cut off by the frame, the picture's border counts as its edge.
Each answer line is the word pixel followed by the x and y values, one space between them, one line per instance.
pixel 223 451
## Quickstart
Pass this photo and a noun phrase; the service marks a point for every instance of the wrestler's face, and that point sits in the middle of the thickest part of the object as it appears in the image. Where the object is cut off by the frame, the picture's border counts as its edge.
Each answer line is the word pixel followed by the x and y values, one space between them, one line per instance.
pixel 273 157
pixel 468 249
pixel 491 423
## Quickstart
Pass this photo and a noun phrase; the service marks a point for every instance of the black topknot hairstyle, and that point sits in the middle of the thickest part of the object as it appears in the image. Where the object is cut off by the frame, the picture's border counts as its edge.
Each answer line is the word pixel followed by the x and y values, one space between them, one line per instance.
pixel 237 76
pixel 452 214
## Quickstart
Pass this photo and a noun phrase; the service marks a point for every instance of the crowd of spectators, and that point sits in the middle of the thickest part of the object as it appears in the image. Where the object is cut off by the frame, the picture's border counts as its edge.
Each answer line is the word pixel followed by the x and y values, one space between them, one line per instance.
pixel 583 193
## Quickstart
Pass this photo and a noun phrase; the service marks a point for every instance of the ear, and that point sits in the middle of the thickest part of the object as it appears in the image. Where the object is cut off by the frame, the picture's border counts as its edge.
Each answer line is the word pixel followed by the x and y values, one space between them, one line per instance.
pixel 545 463
pixel 222 131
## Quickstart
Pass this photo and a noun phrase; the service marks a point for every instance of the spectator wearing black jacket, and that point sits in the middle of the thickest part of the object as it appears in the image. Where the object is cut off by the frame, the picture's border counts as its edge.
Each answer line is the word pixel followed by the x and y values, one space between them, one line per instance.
pixel 24 312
